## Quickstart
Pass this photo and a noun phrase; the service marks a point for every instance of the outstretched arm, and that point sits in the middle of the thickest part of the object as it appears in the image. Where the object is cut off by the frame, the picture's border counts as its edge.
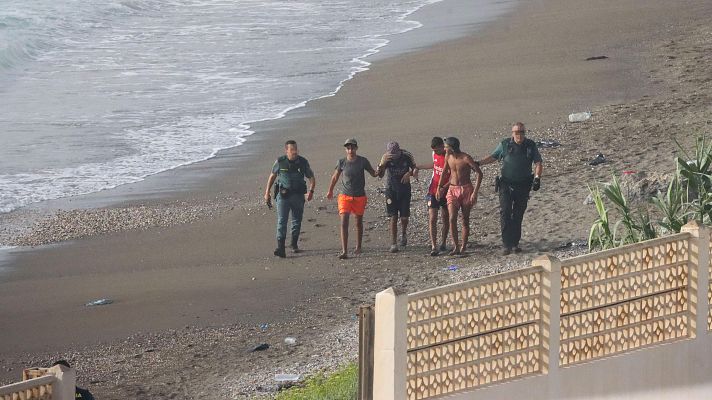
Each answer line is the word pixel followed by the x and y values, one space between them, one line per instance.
pixel 487 160
pixel 334 179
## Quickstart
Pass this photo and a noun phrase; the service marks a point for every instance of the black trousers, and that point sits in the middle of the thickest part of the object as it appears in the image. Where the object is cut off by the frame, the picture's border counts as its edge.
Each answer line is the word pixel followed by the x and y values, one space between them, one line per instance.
pixel 513 200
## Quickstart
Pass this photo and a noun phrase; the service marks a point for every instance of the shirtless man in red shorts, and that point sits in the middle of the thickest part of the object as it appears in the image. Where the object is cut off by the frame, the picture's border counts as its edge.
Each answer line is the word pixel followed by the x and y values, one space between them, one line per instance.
pixel 461 193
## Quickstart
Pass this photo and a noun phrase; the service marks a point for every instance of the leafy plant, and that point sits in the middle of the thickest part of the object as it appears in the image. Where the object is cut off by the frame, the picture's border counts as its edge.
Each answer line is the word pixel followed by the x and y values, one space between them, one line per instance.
pixel 673 206
pixel 600 236
pixel 698 182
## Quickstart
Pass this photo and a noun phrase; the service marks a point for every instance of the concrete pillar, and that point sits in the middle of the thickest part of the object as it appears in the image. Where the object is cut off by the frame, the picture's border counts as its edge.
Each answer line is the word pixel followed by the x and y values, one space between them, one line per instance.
pixel 390 346
pixel 65 388
pixel 699 276
pixel 551 317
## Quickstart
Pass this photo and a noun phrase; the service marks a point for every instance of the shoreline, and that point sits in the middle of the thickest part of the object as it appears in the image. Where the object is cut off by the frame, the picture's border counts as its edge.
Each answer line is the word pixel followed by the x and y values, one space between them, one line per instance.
pixel 170 184
pixel 198 276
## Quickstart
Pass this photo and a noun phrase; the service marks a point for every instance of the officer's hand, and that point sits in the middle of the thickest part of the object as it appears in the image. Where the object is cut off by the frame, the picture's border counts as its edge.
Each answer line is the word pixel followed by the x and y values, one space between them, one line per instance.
pixel 310 196
pixel 536 184
pixel 268 202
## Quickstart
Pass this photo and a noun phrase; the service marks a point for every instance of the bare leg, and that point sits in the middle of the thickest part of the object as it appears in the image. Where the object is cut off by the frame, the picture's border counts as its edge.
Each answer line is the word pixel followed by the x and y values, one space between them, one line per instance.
pixel 404 231
pixel 344 235
pixel 433 227
pixel 453 210
pixel 465 226
pixel 394 230
pixel 359 233
pixel 445 228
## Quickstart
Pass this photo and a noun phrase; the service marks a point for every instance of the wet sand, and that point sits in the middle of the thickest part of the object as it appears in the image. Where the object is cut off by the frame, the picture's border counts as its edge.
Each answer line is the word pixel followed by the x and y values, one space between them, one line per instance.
pixel 195 293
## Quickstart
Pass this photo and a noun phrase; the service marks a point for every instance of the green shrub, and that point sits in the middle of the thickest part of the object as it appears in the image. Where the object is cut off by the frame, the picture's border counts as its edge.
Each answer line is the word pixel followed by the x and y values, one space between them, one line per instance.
pixel 341 385
pixel 688 196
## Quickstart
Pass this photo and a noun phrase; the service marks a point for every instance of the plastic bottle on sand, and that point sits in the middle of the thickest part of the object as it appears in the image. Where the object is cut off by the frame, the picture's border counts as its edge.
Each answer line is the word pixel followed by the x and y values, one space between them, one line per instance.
pixel 579 117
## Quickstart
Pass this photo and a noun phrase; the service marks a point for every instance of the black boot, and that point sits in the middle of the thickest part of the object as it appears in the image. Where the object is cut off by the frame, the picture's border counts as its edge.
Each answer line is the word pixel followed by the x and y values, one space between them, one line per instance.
pixel 294 246
pixel 279 251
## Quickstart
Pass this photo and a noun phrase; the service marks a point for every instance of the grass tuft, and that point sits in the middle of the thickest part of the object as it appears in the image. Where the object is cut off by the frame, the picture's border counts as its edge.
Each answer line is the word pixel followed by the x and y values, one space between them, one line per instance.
pixel 341 385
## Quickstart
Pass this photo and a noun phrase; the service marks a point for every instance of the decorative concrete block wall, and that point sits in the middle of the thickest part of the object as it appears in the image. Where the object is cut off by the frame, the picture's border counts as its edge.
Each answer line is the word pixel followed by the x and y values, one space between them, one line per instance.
pixel 451 340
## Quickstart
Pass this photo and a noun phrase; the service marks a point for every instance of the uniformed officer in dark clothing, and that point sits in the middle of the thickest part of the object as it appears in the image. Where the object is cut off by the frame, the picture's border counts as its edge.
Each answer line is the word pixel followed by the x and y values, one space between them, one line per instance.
pixel 515 182
pixel 289 172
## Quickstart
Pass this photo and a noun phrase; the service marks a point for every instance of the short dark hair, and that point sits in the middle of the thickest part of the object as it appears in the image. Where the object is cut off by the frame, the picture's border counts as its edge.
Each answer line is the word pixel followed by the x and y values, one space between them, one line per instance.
pixel 62 362
pixel 454 143
pixel 436 141
pixel 290 141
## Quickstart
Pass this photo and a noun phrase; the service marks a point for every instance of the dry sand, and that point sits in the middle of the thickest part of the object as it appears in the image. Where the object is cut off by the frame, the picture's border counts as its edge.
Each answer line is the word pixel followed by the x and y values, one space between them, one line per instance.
pixel 191 293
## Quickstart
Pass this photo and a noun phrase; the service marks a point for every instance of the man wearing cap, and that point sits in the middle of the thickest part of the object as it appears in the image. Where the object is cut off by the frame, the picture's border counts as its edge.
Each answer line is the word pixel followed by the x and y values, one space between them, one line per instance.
pixel 515 183
pixel 461 194
pixel 400 165
pixel 434 204
pixel 289 171
pixel 352 199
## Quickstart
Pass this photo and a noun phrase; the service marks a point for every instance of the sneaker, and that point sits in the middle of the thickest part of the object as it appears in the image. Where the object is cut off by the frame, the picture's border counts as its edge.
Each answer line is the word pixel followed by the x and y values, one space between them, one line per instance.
pixel 279 252
pixel 394 248
pixel 507 251
pixel 403 241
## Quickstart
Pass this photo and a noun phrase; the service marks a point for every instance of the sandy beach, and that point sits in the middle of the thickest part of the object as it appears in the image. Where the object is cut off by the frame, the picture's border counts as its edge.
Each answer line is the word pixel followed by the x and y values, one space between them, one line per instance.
pixel 190 266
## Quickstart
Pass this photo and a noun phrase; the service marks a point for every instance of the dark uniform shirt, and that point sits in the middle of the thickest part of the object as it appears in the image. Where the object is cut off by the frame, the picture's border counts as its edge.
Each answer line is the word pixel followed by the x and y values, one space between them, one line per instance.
pixel 291 174
pixel 517 159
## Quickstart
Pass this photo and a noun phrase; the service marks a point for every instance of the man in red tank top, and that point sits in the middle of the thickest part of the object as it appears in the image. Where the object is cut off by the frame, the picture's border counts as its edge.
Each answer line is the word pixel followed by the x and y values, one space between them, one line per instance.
pixel 434 205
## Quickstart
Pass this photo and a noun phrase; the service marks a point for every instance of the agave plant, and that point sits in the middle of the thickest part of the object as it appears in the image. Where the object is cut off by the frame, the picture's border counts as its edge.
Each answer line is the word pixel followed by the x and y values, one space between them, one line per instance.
pixel 696 172
pixel 673 206
pixel 600 235
pixel 615 195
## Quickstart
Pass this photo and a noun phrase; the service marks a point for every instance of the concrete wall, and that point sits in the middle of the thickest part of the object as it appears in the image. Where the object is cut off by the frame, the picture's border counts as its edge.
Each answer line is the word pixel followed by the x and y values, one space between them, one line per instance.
pixel 627 323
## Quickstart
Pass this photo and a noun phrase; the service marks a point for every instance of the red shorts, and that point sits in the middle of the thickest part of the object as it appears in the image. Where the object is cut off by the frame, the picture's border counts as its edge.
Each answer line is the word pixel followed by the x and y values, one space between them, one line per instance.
pixel 352 205
pixel 460 195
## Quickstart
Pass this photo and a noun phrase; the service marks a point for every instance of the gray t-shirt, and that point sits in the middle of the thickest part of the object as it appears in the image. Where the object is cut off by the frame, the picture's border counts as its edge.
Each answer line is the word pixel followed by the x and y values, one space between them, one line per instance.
pixel 353 176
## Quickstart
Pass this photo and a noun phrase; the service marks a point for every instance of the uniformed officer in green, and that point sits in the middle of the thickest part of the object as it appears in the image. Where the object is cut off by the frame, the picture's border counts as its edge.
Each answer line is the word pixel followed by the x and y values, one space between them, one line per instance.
pixel 289 172
pixel 516 181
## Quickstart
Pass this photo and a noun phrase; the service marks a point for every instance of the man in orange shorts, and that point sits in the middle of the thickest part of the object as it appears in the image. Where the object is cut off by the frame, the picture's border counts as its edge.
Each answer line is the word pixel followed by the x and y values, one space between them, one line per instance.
pixel 352 199
pixel 461 193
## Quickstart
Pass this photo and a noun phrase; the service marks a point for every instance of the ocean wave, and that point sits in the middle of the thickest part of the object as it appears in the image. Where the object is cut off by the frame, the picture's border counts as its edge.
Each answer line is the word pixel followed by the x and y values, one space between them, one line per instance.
pixel 173 83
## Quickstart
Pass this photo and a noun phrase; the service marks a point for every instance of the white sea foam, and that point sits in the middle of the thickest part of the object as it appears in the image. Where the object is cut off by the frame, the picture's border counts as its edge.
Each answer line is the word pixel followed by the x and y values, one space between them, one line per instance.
pixel 98 96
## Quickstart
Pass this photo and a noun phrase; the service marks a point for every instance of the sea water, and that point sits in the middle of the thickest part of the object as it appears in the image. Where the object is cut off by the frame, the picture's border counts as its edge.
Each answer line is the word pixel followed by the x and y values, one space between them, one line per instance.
pixel 95 94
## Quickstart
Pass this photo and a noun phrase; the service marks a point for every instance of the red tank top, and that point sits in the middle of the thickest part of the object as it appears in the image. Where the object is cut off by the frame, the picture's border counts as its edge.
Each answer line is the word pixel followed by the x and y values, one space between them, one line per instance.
pixel 438 165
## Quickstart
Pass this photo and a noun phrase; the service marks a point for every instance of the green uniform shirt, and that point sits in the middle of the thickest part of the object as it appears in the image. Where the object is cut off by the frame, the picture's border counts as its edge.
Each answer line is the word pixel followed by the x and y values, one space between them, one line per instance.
pixel 517 159
pixel 291 174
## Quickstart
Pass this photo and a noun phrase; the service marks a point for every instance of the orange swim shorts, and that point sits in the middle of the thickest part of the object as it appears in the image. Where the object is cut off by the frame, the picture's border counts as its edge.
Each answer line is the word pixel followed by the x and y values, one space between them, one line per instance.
pixel 460 195
pixel 352 205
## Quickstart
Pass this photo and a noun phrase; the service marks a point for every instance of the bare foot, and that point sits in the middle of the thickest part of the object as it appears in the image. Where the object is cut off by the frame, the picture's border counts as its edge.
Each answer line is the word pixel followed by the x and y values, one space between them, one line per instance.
pixel 455 252
pixel 357 251
pixel 343 256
